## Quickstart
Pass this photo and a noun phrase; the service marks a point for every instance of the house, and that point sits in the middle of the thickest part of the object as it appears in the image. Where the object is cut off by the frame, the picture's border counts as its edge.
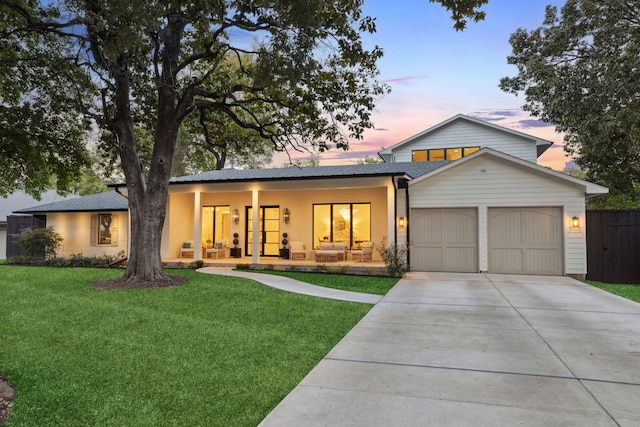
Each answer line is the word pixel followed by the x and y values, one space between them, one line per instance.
pixel 20 200
pixel 465 195
pixel 89 225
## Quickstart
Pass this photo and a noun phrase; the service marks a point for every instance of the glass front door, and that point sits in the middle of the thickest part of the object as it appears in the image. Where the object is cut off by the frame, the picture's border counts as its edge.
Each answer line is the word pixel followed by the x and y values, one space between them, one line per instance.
pixel 215 224
pixel 269 224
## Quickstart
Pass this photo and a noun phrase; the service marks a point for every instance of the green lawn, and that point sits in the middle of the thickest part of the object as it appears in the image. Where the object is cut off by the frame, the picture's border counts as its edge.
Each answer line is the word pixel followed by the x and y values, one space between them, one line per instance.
pixel 631 292
pixel 217 351
pixel 366 284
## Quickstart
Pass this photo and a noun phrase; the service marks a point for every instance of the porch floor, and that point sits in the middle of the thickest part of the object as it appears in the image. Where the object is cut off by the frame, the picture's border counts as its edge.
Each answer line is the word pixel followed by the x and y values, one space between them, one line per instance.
pixel 366 268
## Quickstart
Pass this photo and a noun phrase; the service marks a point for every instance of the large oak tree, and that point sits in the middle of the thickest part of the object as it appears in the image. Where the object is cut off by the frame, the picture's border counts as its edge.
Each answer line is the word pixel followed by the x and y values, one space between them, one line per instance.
pixel 124 67
pixel 581 71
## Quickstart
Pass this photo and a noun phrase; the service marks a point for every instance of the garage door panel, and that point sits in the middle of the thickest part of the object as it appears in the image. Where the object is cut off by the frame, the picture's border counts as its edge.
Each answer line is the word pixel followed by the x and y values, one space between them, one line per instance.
pixel 444 240
pixel 525 240
pixel 540 228
pixel 542 261
pixel 506 260
pixel 506 228
pixel 453 258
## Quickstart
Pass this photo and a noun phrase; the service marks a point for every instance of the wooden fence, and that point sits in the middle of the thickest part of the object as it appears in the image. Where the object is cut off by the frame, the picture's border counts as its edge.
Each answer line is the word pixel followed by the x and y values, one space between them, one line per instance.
pixel 613 246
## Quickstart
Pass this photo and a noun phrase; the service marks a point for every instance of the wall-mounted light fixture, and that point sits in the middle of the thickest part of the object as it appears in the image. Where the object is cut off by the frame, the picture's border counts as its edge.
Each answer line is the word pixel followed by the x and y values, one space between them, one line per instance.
pixel 575 222
pixel 286 214
pixel 236 216
pixel 401 222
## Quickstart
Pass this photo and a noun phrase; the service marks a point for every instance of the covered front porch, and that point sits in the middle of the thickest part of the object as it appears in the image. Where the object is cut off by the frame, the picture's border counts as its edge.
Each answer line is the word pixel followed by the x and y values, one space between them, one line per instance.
pixel 258 219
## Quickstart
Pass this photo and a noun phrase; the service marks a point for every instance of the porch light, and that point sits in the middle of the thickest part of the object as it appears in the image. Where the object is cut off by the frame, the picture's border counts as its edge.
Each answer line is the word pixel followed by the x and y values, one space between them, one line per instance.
pixel 286 215
pixel 401 222
pixel 575 222
pixel 236 216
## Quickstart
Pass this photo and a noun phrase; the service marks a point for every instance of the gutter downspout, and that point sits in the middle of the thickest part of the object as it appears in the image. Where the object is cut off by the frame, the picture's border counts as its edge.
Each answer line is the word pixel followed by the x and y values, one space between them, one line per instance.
pixel 406 192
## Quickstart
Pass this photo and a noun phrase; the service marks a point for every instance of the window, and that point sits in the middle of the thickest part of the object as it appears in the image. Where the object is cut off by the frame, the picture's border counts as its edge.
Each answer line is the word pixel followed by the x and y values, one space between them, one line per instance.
pixel 342 222
pixel 454 153
pixel 419 156
pixel 469 150
pixel 439 154
pixel 104 229
pixel 436 154
pixel 215 224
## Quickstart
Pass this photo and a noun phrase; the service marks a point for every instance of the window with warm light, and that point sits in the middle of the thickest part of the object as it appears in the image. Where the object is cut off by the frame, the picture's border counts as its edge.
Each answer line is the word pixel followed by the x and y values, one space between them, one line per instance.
pixel 419 156
pixel 215 224
pixel 342 222
pixel 439 154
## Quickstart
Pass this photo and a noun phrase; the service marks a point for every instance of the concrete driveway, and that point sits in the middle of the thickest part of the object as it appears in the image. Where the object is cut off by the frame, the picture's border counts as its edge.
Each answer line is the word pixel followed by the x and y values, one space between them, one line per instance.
pixel 447 349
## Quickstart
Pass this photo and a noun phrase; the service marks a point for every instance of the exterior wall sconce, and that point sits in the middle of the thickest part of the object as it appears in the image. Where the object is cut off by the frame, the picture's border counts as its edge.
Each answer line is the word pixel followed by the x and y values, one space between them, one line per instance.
pixel 401 222
pixel 286 215
pixel 575 222
pixel 236 216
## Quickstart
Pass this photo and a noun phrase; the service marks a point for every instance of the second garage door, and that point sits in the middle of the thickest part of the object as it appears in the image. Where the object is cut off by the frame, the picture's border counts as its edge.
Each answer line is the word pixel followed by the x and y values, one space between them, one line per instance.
pixel 444 240
pixel 525 240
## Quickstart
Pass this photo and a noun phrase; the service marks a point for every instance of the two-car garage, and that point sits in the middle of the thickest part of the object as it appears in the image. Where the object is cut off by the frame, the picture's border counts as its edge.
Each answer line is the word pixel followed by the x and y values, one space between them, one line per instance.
pixel 495 213
pixel 519 240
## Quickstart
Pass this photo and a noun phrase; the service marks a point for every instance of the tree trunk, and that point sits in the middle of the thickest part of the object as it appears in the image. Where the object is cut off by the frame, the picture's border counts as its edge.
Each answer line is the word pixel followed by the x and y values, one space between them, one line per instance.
pixel 148 198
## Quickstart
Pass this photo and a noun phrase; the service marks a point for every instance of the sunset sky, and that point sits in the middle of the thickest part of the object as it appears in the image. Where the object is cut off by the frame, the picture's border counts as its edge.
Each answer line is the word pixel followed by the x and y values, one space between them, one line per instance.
pixel 435 73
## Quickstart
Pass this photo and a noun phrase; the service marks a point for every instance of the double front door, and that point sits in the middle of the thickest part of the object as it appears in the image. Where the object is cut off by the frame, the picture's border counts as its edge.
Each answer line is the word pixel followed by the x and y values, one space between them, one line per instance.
pixel 269 231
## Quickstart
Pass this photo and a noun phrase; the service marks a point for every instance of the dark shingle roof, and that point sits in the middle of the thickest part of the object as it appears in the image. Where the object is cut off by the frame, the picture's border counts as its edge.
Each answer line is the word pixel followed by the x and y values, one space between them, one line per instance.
pixel 413 170
pixel 112 201
pixel 107 201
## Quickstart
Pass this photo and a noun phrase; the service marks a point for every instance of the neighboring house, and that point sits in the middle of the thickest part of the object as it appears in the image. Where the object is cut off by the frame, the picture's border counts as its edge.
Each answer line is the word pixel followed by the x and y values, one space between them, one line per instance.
pixel 91 225
pixel 465 195
pixel 20 200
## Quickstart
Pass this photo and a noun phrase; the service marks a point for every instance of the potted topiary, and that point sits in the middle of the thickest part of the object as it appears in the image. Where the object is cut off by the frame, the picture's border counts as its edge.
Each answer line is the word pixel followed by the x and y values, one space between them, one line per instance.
pixel 284 252
pixel 235 251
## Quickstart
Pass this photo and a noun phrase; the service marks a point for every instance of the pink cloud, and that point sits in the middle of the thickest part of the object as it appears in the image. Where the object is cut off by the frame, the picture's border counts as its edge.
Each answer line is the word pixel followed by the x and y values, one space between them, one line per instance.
pixel 406 79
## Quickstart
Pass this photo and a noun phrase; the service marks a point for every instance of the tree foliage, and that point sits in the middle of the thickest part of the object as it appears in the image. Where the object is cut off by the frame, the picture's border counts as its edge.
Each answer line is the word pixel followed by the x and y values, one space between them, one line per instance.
pixel 41 132
pixel 463 9
pixel 302 79
pixel 580 71
pixel 146 66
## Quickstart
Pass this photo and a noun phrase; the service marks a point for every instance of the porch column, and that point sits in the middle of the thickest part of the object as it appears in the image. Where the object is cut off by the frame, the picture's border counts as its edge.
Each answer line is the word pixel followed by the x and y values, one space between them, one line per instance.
pixel 391 213
pixel 255 226
pixel 197 226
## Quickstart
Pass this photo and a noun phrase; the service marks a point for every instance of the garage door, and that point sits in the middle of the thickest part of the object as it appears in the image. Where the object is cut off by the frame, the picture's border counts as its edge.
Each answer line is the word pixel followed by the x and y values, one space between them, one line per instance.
pixel 444 240
pixel 525 240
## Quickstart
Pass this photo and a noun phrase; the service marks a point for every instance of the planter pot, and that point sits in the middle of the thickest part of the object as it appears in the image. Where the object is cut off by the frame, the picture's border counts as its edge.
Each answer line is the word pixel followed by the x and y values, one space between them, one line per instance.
pixel 235 252
pixel 284 253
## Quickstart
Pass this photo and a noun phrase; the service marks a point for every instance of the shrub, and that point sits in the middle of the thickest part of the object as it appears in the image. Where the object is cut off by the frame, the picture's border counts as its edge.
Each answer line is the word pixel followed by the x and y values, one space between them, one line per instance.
pixel 39 243
pixel 394 257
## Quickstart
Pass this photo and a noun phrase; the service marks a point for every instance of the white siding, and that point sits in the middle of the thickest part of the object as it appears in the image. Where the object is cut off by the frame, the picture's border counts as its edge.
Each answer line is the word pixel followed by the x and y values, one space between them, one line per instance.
pixel 466 134
pixel 487 181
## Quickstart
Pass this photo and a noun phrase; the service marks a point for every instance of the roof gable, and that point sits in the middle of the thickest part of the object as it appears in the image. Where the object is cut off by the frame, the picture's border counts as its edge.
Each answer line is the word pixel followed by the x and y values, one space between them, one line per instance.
pixel 540 144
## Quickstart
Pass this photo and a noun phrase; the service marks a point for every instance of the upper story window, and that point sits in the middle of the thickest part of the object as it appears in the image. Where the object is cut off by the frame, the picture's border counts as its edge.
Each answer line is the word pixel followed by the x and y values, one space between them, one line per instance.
pixel 438 154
